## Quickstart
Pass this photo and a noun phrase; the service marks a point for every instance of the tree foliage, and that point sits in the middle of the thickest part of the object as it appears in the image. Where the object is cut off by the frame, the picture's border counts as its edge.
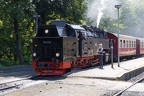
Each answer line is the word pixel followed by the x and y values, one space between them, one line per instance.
pixel 17 24
pixel 69 10
pixel 15 20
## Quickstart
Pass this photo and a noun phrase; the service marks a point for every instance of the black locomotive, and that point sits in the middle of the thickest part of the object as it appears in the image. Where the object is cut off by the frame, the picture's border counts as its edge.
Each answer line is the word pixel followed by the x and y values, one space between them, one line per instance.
pixel 60 46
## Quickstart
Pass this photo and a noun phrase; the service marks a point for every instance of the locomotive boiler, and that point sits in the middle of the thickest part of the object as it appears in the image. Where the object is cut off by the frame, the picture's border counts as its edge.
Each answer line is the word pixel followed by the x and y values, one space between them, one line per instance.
pixel 60 46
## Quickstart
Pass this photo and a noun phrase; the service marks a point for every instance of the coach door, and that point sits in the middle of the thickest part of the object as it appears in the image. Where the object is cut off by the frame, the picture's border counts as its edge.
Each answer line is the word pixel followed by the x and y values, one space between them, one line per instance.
pixel 137 47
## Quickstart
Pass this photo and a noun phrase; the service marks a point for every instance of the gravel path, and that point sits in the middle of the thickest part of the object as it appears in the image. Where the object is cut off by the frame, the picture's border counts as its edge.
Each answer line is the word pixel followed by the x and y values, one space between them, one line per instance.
pixel 71 87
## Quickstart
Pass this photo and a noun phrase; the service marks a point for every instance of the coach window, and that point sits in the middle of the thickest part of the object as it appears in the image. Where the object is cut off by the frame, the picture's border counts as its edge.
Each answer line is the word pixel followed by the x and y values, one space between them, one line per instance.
pixel 120 43
pixel 132 44
pixel 129 44
pixel 123 43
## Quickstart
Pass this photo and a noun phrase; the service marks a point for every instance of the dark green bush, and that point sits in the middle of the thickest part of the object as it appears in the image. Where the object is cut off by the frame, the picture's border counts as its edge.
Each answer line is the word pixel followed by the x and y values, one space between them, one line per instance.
pixel 7 63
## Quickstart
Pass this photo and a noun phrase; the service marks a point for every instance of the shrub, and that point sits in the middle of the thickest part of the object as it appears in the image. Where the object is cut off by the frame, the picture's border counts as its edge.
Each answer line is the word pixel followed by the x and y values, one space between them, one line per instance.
pixel 7 63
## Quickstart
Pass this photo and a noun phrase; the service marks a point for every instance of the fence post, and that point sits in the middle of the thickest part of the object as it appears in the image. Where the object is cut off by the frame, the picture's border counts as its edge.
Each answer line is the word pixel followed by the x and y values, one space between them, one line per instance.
pixel 111 56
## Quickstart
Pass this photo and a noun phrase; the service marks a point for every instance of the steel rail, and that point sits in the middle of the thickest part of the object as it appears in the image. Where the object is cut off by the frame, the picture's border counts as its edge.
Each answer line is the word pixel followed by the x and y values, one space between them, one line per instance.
pixel 120 92
pixel 12 84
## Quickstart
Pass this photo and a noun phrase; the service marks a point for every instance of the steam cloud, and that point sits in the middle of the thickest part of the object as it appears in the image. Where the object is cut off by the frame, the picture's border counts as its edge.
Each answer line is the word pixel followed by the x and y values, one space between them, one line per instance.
pixel 100 8
pixel 100 13
pixel 132 18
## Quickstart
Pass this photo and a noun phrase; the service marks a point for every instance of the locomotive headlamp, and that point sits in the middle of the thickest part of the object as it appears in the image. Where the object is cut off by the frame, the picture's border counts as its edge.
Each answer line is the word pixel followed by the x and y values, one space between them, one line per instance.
pixel 57 54
pixel 34 54
pixel 46 31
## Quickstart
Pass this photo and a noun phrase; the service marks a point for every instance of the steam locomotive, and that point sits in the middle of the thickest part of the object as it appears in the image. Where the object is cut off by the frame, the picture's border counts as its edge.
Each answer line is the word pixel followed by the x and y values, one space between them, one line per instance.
pixel 61 46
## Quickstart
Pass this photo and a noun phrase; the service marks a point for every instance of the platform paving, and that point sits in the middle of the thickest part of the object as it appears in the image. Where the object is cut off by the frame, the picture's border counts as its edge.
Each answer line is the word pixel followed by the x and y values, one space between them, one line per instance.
pixel 126 70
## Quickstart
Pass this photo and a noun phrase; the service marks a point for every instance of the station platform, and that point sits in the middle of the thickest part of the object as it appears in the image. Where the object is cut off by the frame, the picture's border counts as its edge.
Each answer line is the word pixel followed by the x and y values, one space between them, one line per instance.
pixel 127 70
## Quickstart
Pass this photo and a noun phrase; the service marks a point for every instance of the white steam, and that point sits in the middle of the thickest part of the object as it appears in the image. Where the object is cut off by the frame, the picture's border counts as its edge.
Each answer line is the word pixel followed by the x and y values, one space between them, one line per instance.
pixel 132 15
pixel 100 13
pixel 98 9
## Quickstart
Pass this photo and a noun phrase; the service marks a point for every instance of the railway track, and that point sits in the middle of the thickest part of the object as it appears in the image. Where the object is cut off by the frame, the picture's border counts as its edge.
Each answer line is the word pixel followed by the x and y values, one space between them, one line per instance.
pixel 124 90
pixel 15 84
pixel 8 87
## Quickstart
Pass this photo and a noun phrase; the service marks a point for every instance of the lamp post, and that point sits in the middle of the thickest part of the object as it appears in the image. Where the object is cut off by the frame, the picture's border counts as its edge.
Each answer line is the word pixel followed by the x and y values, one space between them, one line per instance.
pixel 118 7
pixel 36 16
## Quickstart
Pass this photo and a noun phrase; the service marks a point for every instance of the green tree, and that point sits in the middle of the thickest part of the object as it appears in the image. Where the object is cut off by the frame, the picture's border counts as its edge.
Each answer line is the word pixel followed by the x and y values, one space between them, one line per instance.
pixel 69 10
pixel 15 18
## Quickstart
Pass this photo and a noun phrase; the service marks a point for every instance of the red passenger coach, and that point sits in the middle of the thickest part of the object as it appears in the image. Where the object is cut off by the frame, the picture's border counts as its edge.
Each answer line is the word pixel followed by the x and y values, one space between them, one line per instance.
pixel 128 45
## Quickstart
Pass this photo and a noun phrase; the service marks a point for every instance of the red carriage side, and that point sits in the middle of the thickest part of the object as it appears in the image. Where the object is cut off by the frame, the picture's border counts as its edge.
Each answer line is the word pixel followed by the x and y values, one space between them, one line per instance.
pixel 128 45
